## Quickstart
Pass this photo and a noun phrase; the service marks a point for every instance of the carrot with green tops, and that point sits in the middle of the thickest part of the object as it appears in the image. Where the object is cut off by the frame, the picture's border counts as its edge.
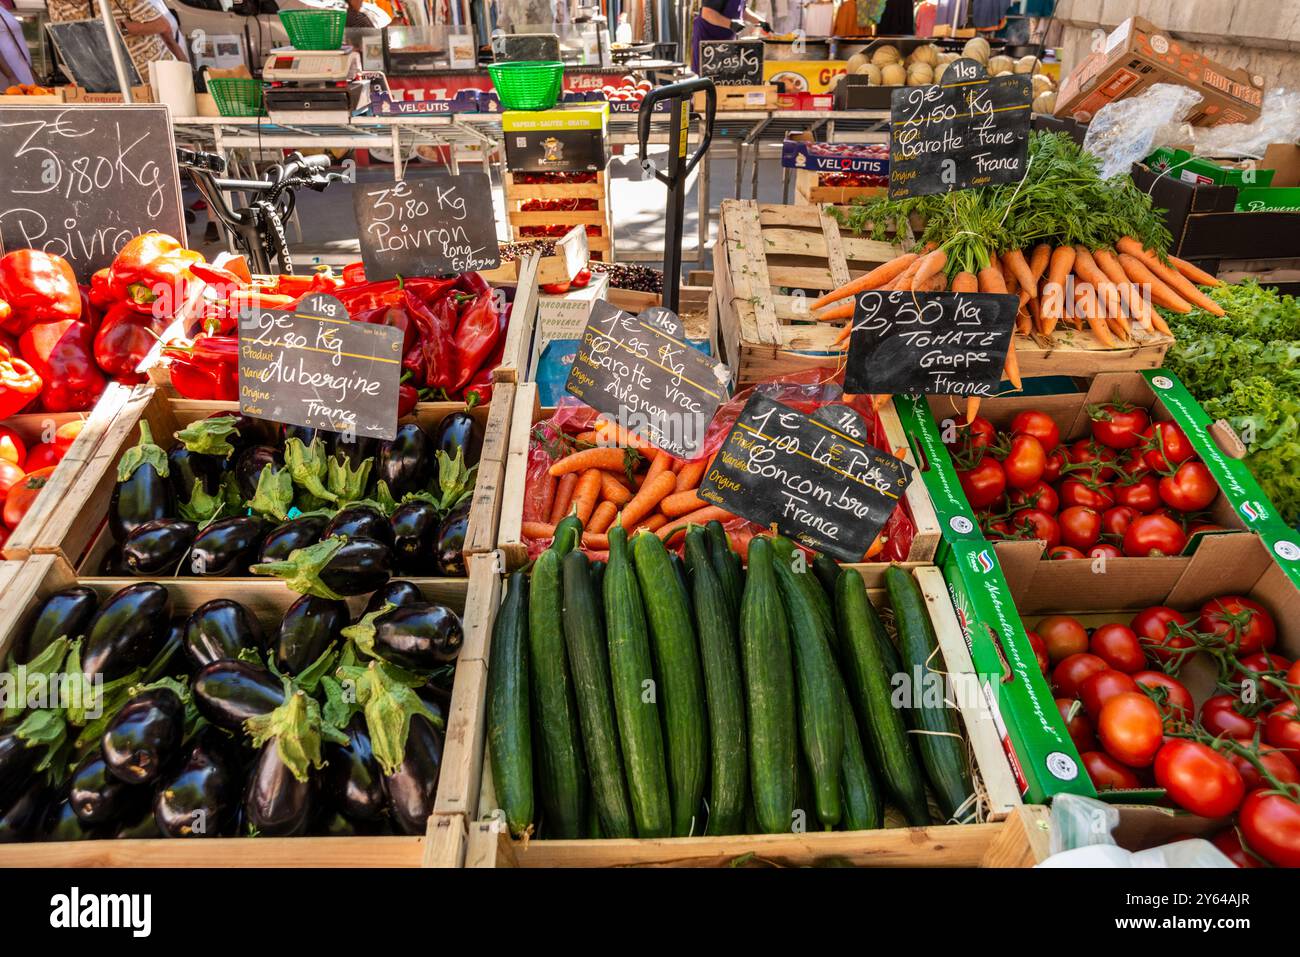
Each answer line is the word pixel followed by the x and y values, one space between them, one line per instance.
pixel 1172 278
pixel 1011 367
pixel 1107 296
pixel 991 278
pixel 972 408
pixel 1038 261
pixel 681 503
pixel 612 490
pixel 1058 270
pixel 1128 293
pixel 931 264
pixel 1086 305
pixel 586 494
pixel 563 496
pixel 875 279
pixel 615 434
pixel 654 491
pixel 611 459
pixel 1014 261
pixel 691 474
pixel 1195 273
pixel 1138 271
pixel 602 517
pixel 965 282
pixel 700 516
pixel 837 313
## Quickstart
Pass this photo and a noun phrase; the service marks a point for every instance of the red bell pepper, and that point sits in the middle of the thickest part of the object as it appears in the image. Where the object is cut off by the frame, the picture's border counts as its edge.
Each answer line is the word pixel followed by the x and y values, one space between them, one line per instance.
pixel 322 280
pixel 207 368
pixel 478 333
pixel 395 316
pixel 148 264
pixel 354 274
pixel 101 293
pixel 63 355
pixel 19 384
pixel 38 287
pixel 437 325
pixel 124 339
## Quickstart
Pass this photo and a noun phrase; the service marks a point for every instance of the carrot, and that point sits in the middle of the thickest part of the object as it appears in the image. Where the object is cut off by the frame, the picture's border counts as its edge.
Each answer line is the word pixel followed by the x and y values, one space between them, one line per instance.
pixel 1038 261
pixel 1172 278
pixel 651 524
pixel 1058 269
pixel 681 503
pixel 698 517
pixel 904 279
pixel 563 497
pixel 931 264
pixel 875 279
pixel 542 506
pixel 877 546
pixel 595 540
pixel 1107 296
pixel 691 474
pixel 965 282
pixel 1195 273
pixel 602 517
pixel 660 463
pixel 655 490
pixel 1161 294
pixel 1132 299
pixel 615 434
pixel 1014 260
pixel 600 458
pixel 537 530
pixel 586 494
pixel 676 465
pixel 991 278
pixel 1085 299
pixel 836 313
pixel 612 490
pixel 972 408
pixel 1035 306
pixel 596 554
pixel 1012 367
pixel 587 438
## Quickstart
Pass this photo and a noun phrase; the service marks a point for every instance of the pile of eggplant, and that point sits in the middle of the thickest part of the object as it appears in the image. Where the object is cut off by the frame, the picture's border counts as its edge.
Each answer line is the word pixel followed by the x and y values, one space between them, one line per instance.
pixel 235 495
pixel 207 725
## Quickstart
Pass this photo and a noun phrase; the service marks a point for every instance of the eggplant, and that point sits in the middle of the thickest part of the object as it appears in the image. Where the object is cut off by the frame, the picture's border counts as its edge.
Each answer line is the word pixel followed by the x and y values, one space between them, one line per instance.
pixel 310 626
pixel 127 632
pixel 62 824
pixel 338 825
pixel 276 803
pixel 65 613
pixel 185 469
pixel 352 783
pixel 360 521
pixel 415 529
pixel 114 565
pixel 139 827
pixel 355 448
pixel 411 787
pixel 200 799
pixel 394 592
pixel 419 637
pixel 219 629
pixel 144 736
pixel 21 816
pixel 460 432
pixel 296 533
pixel 437 699
pixel 17 761
pixel 449 546
pixel 305 434
pixel 228 692
pixel 357 567
pixel 406 464
pixel 142 493
pixel 228 546
pixel 158 547
pixel 249 464
pixel 96 796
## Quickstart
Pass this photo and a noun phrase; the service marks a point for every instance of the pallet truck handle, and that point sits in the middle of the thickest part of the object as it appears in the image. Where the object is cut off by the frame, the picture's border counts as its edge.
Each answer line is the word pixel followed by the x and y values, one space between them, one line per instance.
pixel 678 91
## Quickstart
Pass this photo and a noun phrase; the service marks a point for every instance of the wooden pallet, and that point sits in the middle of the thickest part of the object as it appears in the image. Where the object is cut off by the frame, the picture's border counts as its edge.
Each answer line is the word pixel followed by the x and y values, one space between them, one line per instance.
pixel 809 191
pixel 738 99
pixel 516 194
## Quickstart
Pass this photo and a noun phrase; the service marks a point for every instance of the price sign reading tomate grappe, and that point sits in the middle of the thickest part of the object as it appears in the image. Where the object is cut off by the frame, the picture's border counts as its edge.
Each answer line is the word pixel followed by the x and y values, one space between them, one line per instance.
pixel 813 476
pixel 969 130
pixel 432 226
pixel 315 367
pixel 732 62
pixel 942 343
pixel 636 371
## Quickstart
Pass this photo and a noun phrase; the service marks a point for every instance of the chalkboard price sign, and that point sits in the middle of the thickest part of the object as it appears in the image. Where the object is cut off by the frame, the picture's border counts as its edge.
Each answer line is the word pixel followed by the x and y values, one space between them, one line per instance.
pixel 943 343
pixel 432 226
pixel 315 367
pixel 82 181
pixel 970 130
pixel 732 62
pixel 648 380
pixel 815 478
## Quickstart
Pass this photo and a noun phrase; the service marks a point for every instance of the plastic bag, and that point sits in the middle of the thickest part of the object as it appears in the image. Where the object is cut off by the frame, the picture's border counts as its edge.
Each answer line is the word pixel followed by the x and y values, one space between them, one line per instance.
pixel 1279 122
pixel 1081 836
pixel 1127 131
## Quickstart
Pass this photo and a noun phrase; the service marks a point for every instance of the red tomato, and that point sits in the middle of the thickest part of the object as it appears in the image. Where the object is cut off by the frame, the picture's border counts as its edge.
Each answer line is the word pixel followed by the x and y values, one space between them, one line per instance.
pixel 1170 694
pixel 1219 716
pixel 1032 523
pixel 1118 646
pixel 1199 779
pixel 1105 551
pixel 1040 425
pixel 1115 521
pixel 1244 626
pixel 1199 527
pixel 1101 458
pixel 1056 461
pixel 1270 826
pixel 43 456
pixel 1275 762
pixel 1080 527
pixel 983 484
pixel 1142 495
pixel 1118 425
pixel 1101 686
pixel 1132 466
pixel 1255 668
pixel 1293 673
pixel 978 435
pixel 1282 730
pixel 1040 495
pixel 1063 636
pixel 4 535
pixel 1077 724
pixel 1153 536
pixel 1088 493
pixel 23 493
pixel 9 475
pixel 1190 489
pixel 12 447
pixel 1130 729
pixel 1167 446
pixel 1156 628
pixel 1063 553
pixel 1040 651
pixel 1108 774
pixel 67 433
pixel 1229 842
pixel 1024 461
pixel 1069 675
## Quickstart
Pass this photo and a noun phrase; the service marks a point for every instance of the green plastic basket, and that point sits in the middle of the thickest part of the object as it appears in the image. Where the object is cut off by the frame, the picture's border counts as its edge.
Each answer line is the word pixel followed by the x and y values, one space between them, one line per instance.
pixel 237 96
pixel 527 84
pixel 314 29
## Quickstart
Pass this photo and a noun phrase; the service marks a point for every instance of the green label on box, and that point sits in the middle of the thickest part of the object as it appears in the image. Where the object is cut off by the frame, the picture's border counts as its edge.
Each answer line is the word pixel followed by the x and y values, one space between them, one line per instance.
pixel 1274 199
pixel 926 438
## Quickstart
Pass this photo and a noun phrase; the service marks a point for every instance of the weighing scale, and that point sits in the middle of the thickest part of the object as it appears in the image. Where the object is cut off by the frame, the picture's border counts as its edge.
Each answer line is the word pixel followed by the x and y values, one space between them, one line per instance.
pixel 313 81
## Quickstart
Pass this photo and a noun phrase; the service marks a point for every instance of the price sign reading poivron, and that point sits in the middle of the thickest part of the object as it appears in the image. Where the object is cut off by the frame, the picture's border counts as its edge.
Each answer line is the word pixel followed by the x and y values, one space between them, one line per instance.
pixel 637 372
pixel 940 343
pixel 815 477
pixel 316 368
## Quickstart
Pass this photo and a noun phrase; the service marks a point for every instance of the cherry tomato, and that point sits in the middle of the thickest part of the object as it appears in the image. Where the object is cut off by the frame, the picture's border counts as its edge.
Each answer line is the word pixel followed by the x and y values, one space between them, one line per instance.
pixel 10 474
pixel 983 484
pixel 1255 668
pixel 1105 550
pixel 1040 495
pixel 1118 646
pixel 1108 774
pixel 1130 729
pixel 1142 495
pixel 67 433
pixel 980 434
pixel 1077 724
pixel 1024 462
pixel 1219 716
pixel 1166 446
pixel 1056 461
pixel 1115 521
pixel 1040 425
pixel 1132 466
pixel 1155 628
pixel 1199 779
pixel 1032 523
pixel 43 456
pixel 1153 536
pixel 1063 553
pixel 1244 626
pixel 1229 842
pixel 1275 762
pixel 1171 695
pixel 1190 489
pixel 1099 687
pixel 1101 458
pixel 23 493
pixel 1040 651
pixel 1282 730
pixel 1080 527
pixel 1069 675
pixel 12 447
pixel 1063 636
pixel 1087 493
pixel 1118 425
pixel 1270 826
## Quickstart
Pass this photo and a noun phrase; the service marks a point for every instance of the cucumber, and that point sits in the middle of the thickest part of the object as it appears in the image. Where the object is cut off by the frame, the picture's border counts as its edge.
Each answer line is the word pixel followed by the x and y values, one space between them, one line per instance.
pixel 821 723
pixel 584 640
pixel 769 694
pixel 863 810
pixel 716 628
pixel 862 636
pixel 827 570
pixel 679 569
pixel 632 673
pixel 568 533
pixel 727 564
pixel 940 743
pixel 597 570
pixel 562 773
pixel 509 731
pixel 681 682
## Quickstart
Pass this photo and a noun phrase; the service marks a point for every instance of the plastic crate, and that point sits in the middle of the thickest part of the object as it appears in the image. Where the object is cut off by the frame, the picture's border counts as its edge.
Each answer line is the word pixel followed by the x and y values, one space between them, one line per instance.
pixel 527 84
pixel 314 29
pixel 237 96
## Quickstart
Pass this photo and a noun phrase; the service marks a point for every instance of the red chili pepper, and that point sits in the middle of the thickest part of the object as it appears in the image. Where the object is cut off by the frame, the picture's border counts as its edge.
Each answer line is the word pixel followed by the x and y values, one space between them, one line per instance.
pixel 407 396
pixel 437 326
pixel 477 334
pixel 395 316
pixel 19 384
pixel 62 353
pixel 100 293
pixel 124 339
pixel 479 390
pixel 354 274
pixel 38 287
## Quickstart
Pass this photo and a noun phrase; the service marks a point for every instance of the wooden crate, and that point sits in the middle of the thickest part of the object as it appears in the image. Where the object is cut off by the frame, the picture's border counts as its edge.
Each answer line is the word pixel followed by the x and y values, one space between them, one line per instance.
pixel 516 194
pixel 809 190
pixel 42 575
pixel 569 256
pixel 738 99
pixel 1011 835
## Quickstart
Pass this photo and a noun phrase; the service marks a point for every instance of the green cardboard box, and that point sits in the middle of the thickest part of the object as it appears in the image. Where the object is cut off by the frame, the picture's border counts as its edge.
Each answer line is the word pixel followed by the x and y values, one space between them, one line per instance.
pixel 1199 171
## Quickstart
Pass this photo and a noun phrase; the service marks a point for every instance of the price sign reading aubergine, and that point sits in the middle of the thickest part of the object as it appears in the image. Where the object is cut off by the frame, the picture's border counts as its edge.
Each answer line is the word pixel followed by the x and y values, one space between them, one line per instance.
pixel 639 373
pixel 316 368
pixel 970 130
pixel 816 478
pixel 941 343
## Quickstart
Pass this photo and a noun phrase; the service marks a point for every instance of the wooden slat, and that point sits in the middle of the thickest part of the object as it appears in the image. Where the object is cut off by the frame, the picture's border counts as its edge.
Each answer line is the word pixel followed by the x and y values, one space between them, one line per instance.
pixel 445 841
pixel 753 283
pixel 927 532
pixel 834 250
pixel 858 249
pixel 1023 842
pixel 794 242
pixel 462 763
pixel 772 214
pixel 222 852
pixel 577 217
pixel 485 507
pixel 523 317
pixel 514 486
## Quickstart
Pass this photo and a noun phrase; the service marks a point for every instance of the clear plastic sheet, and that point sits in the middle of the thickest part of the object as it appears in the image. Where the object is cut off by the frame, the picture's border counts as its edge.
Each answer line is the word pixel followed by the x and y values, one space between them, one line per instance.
pixel 1082 836
pixel 1279 122
pixel 1127 131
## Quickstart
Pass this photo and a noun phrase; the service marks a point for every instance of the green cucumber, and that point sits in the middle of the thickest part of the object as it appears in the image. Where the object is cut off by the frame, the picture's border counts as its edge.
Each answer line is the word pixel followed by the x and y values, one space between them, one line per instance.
pixel 727 564
pixel 827 570
pixel 681 682
pixel 679 569
pixel 716 628
pixel 863 810
pixel 584 640
pixel 862 636
pixel 509 731
pixel 634 701
pixel 568 533
pixel 938 734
